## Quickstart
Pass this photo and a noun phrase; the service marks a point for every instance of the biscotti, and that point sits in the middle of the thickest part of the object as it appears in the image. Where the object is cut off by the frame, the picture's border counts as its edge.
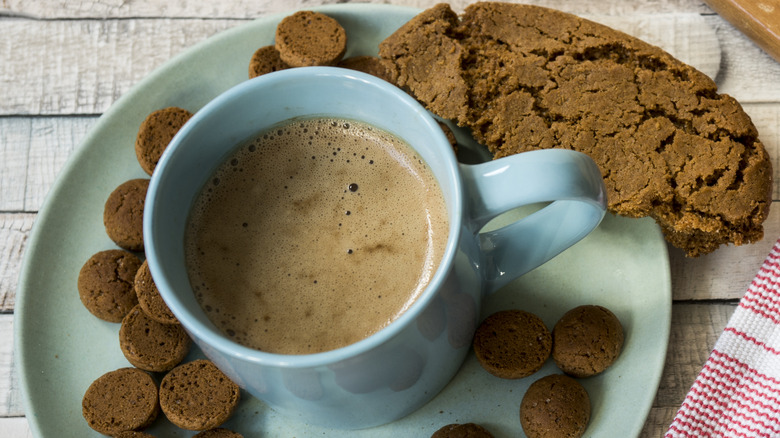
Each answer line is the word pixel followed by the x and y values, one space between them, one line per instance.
pixel 524 77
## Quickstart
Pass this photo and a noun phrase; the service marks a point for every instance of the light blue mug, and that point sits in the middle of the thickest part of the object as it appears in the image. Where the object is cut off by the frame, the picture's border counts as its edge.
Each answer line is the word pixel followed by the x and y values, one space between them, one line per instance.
pixel 395 371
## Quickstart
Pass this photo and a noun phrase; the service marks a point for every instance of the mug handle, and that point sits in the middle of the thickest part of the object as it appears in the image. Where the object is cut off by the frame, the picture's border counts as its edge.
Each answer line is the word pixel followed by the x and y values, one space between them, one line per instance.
pixel 570 180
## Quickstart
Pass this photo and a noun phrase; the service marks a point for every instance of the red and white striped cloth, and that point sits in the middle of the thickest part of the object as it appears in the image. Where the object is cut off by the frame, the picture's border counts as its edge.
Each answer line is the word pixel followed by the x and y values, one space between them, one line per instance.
pixel 737 393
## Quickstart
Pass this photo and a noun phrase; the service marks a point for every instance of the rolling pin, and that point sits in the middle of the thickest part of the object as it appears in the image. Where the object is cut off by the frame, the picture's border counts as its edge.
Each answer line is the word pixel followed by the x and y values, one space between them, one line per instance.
pixel 758 19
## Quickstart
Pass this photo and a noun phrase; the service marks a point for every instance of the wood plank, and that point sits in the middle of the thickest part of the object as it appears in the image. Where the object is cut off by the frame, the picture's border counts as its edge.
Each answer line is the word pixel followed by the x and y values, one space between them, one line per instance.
pixel 10 395
pixel 52 9
pixel 749 74
pixel 14 138
pixel 33 153
pixel 766 117
pixel 15 427
pixel 14 230
pixel 125 51
pixel 82 67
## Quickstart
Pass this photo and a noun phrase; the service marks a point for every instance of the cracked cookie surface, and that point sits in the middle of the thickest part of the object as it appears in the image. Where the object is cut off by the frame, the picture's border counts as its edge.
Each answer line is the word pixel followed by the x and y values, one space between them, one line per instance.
pixel 525 77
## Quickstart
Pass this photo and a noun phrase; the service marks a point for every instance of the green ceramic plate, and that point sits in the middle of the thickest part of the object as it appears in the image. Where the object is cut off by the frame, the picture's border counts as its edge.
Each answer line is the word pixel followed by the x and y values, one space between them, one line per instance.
pixel 61 348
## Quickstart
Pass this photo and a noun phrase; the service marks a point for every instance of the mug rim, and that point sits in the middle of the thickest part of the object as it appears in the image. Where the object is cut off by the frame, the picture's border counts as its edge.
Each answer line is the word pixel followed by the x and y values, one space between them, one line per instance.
pixel 211 335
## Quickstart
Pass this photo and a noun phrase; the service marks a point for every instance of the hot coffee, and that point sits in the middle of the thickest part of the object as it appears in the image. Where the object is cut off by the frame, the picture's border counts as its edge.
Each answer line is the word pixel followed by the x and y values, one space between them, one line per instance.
pixel 315 235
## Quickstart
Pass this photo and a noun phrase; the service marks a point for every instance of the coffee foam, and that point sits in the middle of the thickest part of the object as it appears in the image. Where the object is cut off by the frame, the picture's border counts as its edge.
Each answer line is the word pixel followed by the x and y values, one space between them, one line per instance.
pixel 315 235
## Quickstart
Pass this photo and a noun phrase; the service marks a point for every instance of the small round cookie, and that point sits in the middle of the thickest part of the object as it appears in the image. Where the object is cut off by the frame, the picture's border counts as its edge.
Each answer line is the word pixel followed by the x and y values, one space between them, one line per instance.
pixel 218 433
pixel 555 406
pixel 151 345
pixel 372 65
pixel 308 38
pixel 467 430
pixel 133 434
pixel 586 340
pixel 154 134
pixel 512 344
pixel 198 396
pixel 105 284
pixel 120 400
pixel 149 297
pixel 123 214
pixel 265 60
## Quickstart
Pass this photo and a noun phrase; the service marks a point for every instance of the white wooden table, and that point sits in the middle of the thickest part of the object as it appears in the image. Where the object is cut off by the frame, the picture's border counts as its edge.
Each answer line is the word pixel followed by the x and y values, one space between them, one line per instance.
pixel 62 64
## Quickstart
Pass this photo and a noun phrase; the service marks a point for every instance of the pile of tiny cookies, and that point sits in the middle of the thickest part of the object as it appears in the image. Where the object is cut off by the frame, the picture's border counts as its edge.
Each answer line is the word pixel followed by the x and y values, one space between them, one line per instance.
pixel 513 344
pixel 116 286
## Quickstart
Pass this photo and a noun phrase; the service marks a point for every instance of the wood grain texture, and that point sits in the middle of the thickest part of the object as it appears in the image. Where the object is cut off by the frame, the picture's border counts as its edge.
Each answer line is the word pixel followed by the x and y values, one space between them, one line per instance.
pixel 14 231
pixel 34 151
pixel 83 66
pixel 749 74
pixel 16 427
pixel 10 395
pixel 766 118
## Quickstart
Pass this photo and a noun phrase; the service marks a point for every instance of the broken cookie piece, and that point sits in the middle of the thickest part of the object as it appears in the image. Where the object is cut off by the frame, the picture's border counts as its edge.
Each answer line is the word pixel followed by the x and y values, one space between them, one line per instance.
pixel 525 77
